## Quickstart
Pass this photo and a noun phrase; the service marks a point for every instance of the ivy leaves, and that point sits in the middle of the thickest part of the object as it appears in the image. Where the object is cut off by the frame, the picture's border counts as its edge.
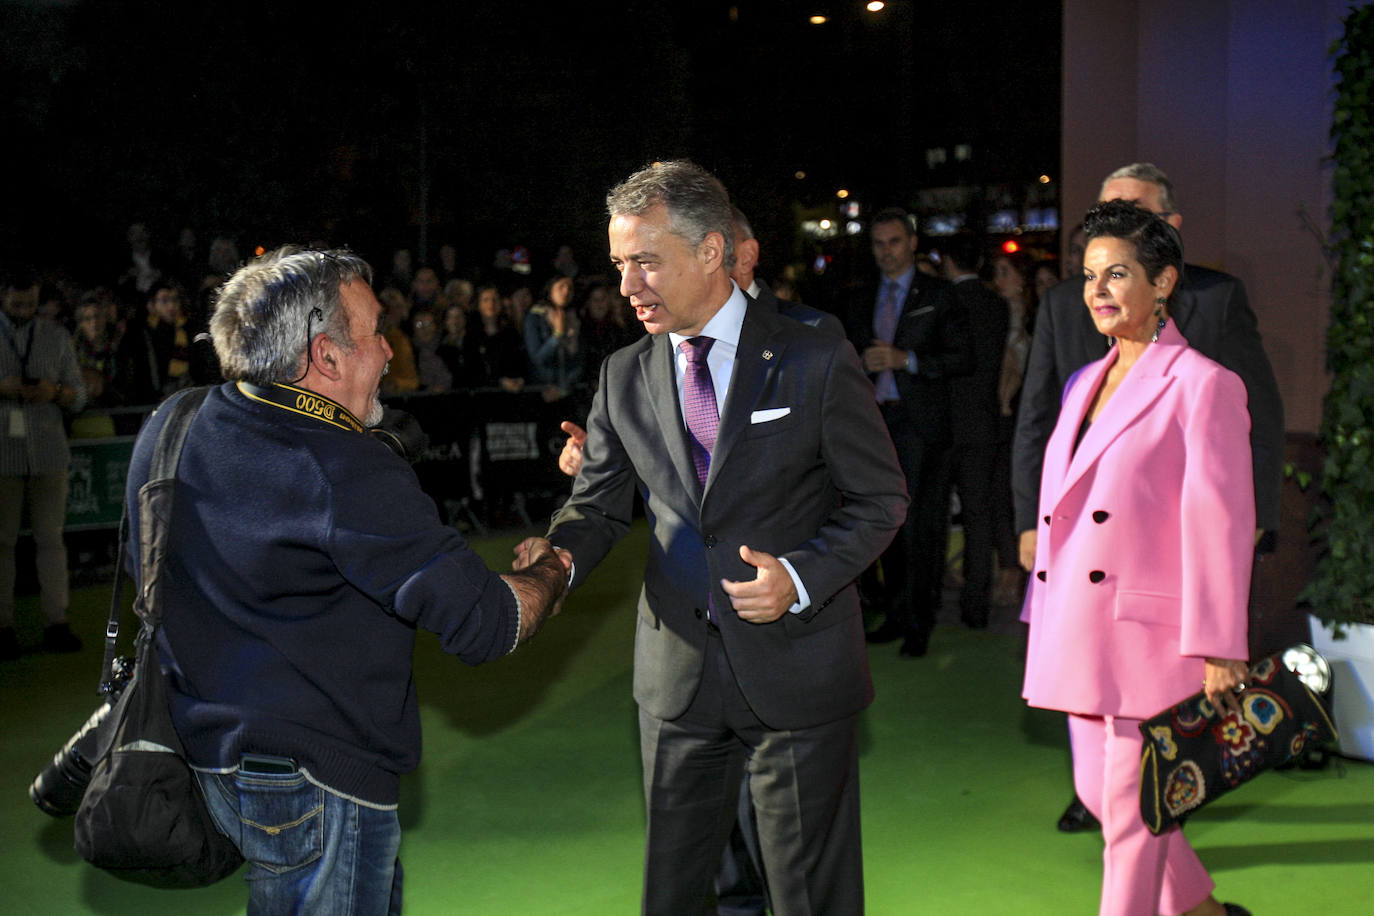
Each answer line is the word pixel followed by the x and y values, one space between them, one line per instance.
pixel 1343 588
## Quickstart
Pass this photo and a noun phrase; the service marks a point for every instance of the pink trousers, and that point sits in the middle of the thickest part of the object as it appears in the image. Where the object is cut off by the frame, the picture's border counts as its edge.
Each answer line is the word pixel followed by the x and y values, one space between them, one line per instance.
pixel 1142 874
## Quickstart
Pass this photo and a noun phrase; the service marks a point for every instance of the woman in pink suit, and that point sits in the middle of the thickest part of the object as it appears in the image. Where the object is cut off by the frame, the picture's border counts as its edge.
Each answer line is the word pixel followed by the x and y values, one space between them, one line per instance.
pixel 1145 540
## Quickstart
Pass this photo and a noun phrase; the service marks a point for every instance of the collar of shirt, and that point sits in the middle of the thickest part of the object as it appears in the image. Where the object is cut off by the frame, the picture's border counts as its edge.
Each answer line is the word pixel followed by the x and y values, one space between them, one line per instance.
pixel 753 289
pixel 724 328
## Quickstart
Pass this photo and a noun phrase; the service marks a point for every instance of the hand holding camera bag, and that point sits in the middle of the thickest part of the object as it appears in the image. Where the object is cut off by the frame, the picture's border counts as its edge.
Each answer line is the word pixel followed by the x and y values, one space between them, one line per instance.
pixel 143 817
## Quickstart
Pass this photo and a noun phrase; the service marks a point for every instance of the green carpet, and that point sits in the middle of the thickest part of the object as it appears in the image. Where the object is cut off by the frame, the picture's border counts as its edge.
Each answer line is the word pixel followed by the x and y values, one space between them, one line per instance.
pixel 528 799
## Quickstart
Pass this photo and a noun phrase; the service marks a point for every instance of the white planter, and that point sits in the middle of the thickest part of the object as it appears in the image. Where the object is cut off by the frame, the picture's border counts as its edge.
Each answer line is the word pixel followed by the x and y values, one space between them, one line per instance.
pixel 1352 678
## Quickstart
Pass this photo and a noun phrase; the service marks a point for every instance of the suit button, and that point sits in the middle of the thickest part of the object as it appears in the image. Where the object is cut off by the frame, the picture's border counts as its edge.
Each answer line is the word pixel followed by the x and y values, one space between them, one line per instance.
pixel 1040 575
pixel 1096 576
pixel 697 611
pixel 710 541
pixel 1047 520
pixel 1099 516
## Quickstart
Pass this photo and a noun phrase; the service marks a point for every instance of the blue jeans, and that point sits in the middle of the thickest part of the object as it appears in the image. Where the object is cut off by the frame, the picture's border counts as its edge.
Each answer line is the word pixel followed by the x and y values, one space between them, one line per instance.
pixel 309 851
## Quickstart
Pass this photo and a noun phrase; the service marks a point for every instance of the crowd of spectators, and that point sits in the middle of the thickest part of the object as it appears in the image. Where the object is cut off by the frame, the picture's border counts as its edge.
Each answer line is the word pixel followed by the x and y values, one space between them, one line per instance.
pixel 138 335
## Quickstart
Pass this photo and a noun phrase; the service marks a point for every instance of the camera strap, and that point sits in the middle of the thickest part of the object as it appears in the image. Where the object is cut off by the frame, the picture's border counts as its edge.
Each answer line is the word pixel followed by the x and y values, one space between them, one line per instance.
pixel 166 455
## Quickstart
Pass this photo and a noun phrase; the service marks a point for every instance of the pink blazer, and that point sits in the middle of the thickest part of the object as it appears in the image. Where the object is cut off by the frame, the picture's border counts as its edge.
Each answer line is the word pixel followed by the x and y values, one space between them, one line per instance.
pixel 1145 538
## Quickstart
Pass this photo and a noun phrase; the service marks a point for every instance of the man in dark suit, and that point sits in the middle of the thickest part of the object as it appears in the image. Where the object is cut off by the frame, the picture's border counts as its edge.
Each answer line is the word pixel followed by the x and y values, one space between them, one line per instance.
pixel 912 337
pixel 974 419
pixel 769 485
pixel 1212 311
pixel 743 273
pixel 740 887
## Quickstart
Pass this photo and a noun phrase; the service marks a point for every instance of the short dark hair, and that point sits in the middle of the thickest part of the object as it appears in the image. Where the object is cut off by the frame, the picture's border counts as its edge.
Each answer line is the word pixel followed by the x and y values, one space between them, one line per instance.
pixel 1157 244
pixel 897 215
pixel 964 249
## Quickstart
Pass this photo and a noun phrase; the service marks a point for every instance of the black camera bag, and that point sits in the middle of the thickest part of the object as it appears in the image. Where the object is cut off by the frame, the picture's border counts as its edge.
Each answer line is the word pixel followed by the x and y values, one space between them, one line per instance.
pixel 143 817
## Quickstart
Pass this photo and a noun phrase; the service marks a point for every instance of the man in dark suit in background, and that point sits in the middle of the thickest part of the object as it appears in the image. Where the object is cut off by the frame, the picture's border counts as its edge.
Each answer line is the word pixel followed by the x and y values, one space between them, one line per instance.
pixel 974 418
pixel 743 273
pixel 912 337
pixel 1212 311
pixel 769 486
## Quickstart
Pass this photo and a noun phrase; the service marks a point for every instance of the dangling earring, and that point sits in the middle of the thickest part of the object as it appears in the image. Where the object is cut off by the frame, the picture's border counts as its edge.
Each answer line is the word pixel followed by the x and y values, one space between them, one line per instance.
pixel 1159 313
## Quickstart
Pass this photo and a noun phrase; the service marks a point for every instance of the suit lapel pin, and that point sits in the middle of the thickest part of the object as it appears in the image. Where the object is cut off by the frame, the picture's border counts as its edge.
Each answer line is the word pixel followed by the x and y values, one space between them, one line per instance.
pixel 767 354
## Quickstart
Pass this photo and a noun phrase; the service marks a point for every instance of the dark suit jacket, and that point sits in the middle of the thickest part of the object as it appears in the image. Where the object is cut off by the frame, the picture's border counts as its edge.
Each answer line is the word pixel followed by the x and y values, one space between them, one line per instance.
pixel 824 321
pixel 932 326
pixel 1212 311
pixel 814 480
pixel 976 407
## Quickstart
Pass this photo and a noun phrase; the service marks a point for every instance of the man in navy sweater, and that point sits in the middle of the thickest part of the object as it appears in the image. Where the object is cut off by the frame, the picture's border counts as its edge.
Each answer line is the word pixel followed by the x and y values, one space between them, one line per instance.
pixel 302 558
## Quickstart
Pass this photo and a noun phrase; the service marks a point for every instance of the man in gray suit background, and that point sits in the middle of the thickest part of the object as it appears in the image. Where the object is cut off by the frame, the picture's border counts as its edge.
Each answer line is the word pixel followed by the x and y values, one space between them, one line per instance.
pixel 770 484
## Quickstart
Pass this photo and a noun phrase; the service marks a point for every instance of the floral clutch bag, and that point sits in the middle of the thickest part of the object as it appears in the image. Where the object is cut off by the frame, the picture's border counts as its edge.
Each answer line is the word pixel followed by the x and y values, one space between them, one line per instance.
pixel 1193 753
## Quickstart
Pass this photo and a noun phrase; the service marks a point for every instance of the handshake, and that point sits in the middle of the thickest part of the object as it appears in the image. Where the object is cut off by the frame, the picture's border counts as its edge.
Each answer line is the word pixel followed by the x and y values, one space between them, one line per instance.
pixel 539 579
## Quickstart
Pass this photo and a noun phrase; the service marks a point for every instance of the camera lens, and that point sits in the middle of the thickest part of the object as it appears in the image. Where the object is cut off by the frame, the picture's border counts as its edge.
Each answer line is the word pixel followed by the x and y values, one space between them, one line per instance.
pixel 60 785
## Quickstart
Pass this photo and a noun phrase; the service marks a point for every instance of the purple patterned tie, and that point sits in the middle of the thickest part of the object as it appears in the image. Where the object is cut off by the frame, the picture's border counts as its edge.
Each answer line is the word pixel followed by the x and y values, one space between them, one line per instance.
pixel 699 403
pixel 885 327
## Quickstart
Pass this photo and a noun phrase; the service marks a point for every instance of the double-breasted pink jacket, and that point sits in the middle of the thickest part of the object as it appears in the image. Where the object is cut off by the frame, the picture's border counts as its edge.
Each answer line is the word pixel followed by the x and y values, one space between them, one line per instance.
pixel 1145 538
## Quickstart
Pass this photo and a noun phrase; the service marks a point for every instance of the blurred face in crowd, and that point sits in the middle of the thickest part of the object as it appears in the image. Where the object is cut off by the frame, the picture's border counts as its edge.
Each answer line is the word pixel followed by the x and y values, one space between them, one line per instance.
pixel 425 285
pixel 21 304
pixel 1008 279
pixel 424 327
pixel 1045 279
pixel 488 303
pixel 138 237
pixel 598 303
pixel 665 277
pixel 224 256
pixel 166 305
pixel 90 322
pixel 520 302
pixel 459 292
pixel 560 293
pixel 894 247
pixel 455 321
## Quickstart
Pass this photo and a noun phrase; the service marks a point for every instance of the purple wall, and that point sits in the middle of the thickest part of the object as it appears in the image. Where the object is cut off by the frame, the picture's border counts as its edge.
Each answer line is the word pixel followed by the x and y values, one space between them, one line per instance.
pixel 1233 100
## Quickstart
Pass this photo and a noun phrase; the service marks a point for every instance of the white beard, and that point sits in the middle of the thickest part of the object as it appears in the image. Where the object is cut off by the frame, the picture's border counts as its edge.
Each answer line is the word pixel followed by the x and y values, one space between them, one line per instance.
pixel 374 414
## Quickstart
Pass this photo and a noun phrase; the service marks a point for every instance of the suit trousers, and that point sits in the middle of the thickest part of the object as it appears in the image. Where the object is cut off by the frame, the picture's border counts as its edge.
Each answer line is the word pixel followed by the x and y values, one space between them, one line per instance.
pixel 46 496
pixel 914 563
pixel 805 785
pixel 972 472
pixel 1142 874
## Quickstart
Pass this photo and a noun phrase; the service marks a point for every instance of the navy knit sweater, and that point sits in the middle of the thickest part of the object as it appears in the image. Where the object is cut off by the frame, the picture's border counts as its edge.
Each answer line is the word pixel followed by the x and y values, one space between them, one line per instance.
pixel 303 556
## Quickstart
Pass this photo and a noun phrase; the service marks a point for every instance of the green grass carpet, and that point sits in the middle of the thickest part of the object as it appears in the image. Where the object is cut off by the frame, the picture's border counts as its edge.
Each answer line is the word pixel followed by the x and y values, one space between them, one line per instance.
pixel 528 798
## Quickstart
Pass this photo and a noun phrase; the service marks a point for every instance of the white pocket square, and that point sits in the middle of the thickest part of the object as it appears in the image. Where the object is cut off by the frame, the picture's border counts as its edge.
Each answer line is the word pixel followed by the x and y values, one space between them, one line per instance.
pixel 772 413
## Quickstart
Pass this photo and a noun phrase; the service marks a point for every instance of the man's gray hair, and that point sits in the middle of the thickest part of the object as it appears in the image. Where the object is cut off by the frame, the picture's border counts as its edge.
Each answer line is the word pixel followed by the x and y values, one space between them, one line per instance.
pixel 743 231
pixel 696 201
pixel 265 312
pixel 1151 174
